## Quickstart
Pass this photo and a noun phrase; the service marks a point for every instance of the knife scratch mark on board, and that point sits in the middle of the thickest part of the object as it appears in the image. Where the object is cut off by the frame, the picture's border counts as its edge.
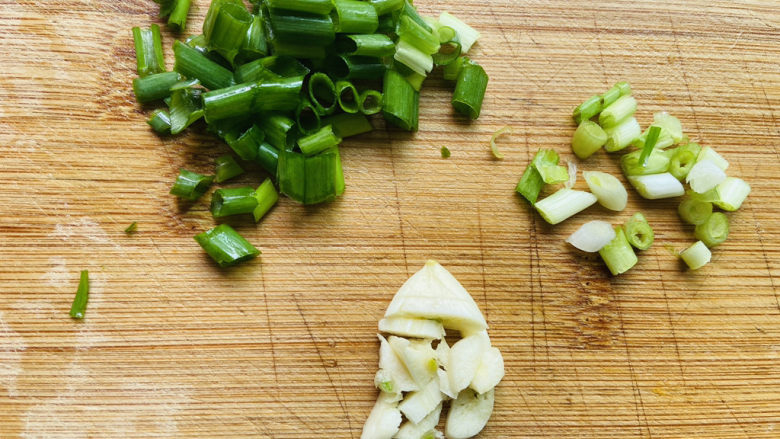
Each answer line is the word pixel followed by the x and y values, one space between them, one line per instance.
pixel 398 204
pixel 482 264
pixel 671 324
pixel 639 404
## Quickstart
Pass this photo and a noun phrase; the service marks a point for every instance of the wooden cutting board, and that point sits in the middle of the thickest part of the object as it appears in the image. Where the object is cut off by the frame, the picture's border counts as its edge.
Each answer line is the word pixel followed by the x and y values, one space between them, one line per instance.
pixel 285 346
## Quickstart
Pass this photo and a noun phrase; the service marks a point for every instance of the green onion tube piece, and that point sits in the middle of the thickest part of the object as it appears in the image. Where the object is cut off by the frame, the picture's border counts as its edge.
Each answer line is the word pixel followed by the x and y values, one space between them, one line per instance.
pixel 708 153
pixel 704 176
pixel 530 184
pixel 611 95
pixel 79 305
pixel 447 54
pixel 657 163
pixel 714 231
pixel 401 102
pixel 307 118
pixel 291 174
pixel 190 185
pixel 193 64
pixel 410 11
pixel 609 191
pixel 228 28
pixel 355 17
pixel 387 24
pixel 268 157
pixel 493 147
pixel 413 58
pixel 178 18
pixel 618 254
pixel 246 145
pixel 696 256
pixel 186 107
pixel 682 160
pixel 322 93
pixel 160 121
pixel 355 67
pixel 198 42
pixel 386 6
pixel 301 28
pixel 670 126
pixel 588 138
pixel 213 12
pixel 271 68
pixel 166 6
pixel 233 201
pixel 132 228
pixel 694 211
pixel 619 111
pixel 254 45
pixel 732 192
pixel 310 6
pixel 467 35
pixel 226 168
pixel 587 109
pixel 470 90
pixel 148 50
pixel 416 80
pixel 638 232
pixel 546 162
pixel 564 204
pixel 348 125
pixel 278 130
pixel 348 97
pixel 657 186
pixel 375 45
pixel 324 178
pixel 297 50
pixel 266 197
pixel 620 136
pixel 155 86
pixel 445 152
pixel 280 95
pixel 650 141
pixel 225 246
pixel 418 36
pixel 319 141
pixel 370 102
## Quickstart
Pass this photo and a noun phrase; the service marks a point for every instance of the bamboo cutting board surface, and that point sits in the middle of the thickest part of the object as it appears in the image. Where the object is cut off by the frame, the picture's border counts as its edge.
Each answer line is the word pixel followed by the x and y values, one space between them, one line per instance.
pixel 285 346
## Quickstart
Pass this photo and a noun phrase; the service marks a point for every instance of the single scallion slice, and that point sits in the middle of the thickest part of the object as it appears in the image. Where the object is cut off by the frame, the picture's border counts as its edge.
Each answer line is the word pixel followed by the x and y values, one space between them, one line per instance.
pixel 268 158
pixel 650 141
pixel 191 185
pixel 448 53
pixel 530 184
pixel 617 90
pixel 682 159
pixel 298 50
pixel 571 167
pixel 178 18
pixel 370 102
pixel 657 162
pixel 386 6
pixel 228 27
pixel 225 168
pixel 155 86
pixel 546 163
pixel 470 90
pixel 292 174
pixel 307 118
pixel 266 197
pixel 255 44
pixel 310 6
pixel 232 201
pixel 493 147
pixel 445 152
pixel 657 186
pixel 704 176
pixel 714 231
pixel 278 130
pixel 301 28
pixel 324 177
pixel 669 124
pixel 588 138
pixel 618 254
pixel 387 24
pixel 416 80
pixel 322 93
pixel 694 211
pixel 592 236
pixel 708 153
pixel 132 228
pixel 225 246
pixel 355 67
pixel 417 35
pixel 638 232
pixel 148 50
pixel 79 305
pixel 246 145
pixel 347 96
pixel 732 192
pixel 609 191
pixel 348 125
pixel 355 17
pixel 160 121
pixel 587 109
pixel 620 110
pixel 696 256
pixel 401 101
pixel 564 204
pixel 413 58
pixel 319 141
pixel 622 135
pixel 281 95
pixel 270 68
pixel 466 34
pixel 194 64
pixel 186 107
pixel 376 45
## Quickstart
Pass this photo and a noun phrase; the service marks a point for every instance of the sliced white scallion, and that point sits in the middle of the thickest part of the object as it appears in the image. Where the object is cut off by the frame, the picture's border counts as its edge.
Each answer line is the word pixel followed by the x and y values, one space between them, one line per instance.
pixel 708 153
pixel 670 126
pixel 410 56
pixel 467 35
pixel 696 256
pixel 620 136
pixel 657 186
pixel 609 191
pixel 705 175
pixel 564 204
pixel 493 147
pixel 592 236
pixel 732 192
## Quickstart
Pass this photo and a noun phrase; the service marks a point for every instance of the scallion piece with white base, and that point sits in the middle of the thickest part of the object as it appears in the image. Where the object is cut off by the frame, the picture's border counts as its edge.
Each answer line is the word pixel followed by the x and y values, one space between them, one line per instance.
pixel 638 232
pixel 696 256
pixel 617 112
pixel 705 175
pixel 592 236
pixel 732 192
pixel 618 254
pixel 622 135
pixel 588 138
pixel 714 231
pixel 609 191
pixel 708 153
pixel 657 186
pixel 564 204
pixel 694 211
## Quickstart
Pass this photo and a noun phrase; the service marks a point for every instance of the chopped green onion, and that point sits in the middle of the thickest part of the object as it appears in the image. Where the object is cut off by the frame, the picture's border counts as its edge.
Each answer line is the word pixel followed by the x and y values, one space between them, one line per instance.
pixel 292 174
pixel 416 80
pixel 386 6
pixel 278 130
pixel 708 153
pixel 530 184
pixel 588 138
pixel 301 28
pixel 322 93
pixel 572 170
pixel 413 58
pixel 245 145
pixel 682 160
pixel 638 232
pixel 448 52
pixel 79 305
pixel 281 95
pixel 657 163
pixel 546 163
pixel 307 118
pixel 470 90
pixel 193 64
pixel 611 95
pixel 656 186
pixel 564 204
pixel 711 196
pixel 622 135
pixel 271 68
pixel 187 83
pixel 618 111
pixel 191 185
pixel 155 86
pixel 652 138
pixel 704 176
pixel 266 197
pixel 452 70
pixel 232 201
pixel 225 168
pixel 178 18
pixel 298 50
pixel 401 101
pixel 254 45
pixel 186 107
pixel 387 24
pixel 160 121
pixel 418 36
pixel 466 34
pixel 609 191
pixel 310 6
pixel 370 102
pixel 348 125
pixel 732 192
pixel 714 230
pixel 324 177
pixel 410 11
pixel 669 124
pixel 225 246
pixel 319 141
pixel 166 6
pixel 696 256
pixel 493 147
pixel 148 50
pixel 445 152
pixel 355 67
pixel 132 228
pixel 587 109
pixel 347 96
pixel 268 157
pixel 376 45
pixel 592 236
pixel 618 254
pixel 355 17
pixel 694 211
pixel 227 29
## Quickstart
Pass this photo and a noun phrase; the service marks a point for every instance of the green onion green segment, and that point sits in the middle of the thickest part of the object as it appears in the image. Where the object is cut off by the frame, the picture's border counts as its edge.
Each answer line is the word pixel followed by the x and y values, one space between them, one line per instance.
pixel 638 232
pixel 79 305
pixel 618 254
pixel 191 185
pixel 225 246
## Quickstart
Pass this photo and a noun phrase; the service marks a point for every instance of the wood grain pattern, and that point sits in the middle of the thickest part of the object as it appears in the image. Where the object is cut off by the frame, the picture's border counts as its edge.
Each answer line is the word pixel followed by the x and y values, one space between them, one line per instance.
pixel 284 347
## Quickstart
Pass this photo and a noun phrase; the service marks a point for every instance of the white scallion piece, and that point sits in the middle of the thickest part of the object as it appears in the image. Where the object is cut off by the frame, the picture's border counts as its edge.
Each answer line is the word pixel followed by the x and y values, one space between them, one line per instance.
pixel 670 124
pixel 708 153
pixel 609 191
pixel 657 186
pixel 466 34
pixel 592 236
pixel 620 136
pixel 732 192
pixel 696 256
pixel 564 204
pixel 705 175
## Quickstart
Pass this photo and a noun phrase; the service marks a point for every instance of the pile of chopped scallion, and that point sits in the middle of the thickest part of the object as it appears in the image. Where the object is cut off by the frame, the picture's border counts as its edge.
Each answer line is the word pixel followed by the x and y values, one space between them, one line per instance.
pixel 283 83
pixel 664 158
